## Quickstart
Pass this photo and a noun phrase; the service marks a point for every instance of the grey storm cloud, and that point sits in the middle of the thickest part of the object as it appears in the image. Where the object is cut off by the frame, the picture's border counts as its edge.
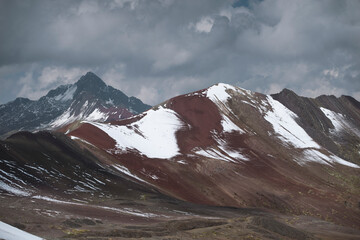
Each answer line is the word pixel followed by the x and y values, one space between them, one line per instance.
pixel 155 49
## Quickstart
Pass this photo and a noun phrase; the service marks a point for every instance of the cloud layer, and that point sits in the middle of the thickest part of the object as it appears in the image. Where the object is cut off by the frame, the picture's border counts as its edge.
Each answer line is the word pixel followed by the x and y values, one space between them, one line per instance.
pixel 155 49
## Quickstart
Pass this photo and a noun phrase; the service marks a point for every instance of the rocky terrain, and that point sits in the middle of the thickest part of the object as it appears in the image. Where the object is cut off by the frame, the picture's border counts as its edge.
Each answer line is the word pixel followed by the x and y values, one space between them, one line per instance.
pixel 219 163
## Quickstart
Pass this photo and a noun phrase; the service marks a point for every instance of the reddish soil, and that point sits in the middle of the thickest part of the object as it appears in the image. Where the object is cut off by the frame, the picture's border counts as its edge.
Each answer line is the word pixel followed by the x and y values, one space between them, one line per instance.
pixel 94 136
pixel 202 115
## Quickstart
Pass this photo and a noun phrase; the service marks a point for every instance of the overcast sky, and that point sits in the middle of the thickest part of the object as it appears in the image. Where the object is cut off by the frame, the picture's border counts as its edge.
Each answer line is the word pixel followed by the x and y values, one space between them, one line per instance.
pixel 156 49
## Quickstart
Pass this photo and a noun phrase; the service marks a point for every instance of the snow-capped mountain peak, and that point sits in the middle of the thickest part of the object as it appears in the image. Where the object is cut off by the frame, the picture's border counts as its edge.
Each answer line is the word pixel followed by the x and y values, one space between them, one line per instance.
pixel 87 99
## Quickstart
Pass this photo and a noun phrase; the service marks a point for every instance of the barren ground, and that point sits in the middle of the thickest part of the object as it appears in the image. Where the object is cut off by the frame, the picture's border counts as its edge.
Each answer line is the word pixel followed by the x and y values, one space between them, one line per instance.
pixel 154 217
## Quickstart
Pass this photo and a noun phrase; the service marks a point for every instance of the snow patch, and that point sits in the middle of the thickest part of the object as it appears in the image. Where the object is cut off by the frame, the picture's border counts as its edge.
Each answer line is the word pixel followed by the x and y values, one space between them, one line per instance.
pixel 218 92
pixel 285 126
pixel 127 172
pixel 339 121
pixel 82 140
pixel 13 190
pixel 129 211
pixel 182 162
pixel 12 176
pixel 68 95
pixel 153 135
pixel 225 154
pixel 63 119
pixel 214 154
pixel 51 199
pixel 68 117
pixel 229 126
pixel 235 154
pixel 195 94
pixel 313 155
pixel 8 232
pixel 110 102
pixel 97 115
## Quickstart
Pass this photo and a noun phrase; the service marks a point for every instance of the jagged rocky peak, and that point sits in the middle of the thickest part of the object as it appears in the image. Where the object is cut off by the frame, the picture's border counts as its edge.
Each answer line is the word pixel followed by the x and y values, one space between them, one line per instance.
pixel 91 83
pixel 90 78
pixel 286 92
pixel 89 98
pixel 287 95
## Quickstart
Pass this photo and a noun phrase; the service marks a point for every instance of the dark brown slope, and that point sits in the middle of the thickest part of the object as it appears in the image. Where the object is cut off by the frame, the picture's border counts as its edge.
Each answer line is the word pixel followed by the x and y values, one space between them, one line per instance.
pixel 294 176
pixel 51 163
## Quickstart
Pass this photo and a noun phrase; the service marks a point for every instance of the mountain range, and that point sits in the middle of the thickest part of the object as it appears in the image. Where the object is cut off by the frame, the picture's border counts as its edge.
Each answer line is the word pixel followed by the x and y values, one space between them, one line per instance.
pixel 219 163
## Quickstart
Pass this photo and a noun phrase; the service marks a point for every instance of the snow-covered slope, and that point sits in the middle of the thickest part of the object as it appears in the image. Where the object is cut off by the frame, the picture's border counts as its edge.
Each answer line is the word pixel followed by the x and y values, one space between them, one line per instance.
pixel 153 135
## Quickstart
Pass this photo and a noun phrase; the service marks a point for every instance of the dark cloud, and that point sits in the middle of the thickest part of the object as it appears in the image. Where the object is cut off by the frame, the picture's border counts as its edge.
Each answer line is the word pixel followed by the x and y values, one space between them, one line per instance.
pixel 155 49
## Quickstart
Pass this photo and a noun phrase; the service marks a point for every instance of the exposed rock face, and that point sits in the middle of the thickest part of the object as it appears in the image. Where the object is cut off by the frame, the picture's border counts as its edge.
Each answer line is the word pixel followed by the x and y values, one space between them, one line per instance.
pixel 232 147
pixel 87 99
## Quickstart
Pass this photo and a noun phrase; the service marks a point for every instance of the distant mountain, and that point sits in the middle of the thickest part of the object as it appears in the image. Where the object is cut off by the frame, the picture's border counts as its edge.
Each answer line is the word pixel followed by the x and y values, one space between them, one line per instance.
pixel 87 99
pixel 229 146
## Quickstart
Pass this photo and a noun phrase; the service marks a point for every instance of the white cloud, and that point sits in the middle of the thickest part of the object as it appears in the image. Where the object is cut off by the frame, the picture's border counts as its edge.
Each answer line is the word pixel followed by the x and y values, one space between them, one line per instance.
pixel 27 87
pixel 59 75
pixel 116 77
pixel 88 7
pixel 356 95
pixel 321 86
pixel 170 55
pixel 274 88
pixel 122 3
pixel 148 94
pixel 48 78
pixel 331 73
pixel 203 26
